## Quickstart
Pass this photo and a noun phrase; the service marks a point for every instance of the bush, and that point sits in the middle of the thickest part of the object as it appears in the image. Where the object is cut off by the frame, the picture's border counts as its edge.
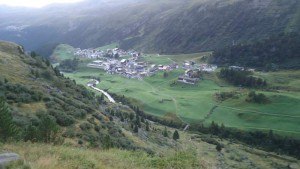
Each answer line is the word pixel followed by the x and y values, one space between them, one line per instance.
pixel 210 140
pixel 62 119
pixel 85 126
pixel 219 147
pixel 47 75
pixel 80 142
pixel 257 98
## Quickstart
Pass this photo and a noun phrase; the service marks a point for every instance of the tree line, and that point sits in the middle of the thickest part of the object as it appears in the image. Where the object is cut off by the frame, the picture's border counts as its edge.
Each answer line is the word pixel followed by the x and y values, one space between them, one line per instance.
pixel 264 140
pixel 241 78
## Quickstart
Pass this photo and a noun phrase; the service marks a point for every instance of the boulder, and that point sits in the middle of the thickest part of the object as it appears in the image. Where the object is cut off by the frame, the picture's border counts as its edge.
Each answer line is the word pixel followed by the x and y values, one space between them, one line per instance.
pixel 6 158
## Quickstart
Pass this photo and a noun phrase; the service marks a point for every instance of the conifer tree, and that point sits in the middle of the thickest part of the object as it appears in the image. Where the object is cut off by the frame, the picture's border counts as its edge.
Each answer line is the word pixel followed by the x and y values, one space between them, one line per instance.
pixel 138 121
pixel 7 127
pixel 48 127
pixel 165 132
pixel 136 129
pixel 147 126
pixel 107 143
pixel 175 135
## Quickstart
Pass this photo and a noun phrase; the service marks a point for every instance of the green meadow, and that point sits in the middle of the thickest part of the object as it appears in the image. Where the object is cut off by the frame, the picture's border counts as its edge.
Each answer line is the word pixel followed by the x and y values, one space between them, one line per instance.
pixel 158 96
pixel 63 52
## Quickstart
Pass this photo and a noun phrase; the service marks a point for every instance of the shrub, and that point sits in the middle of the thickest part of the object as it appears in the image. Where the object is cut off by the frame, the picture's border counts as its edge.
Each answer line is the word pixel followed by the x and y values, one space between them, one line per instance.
pixel 257 98
pixel 85 126
pixel 219 147
pixel 80 142
pixel 61 118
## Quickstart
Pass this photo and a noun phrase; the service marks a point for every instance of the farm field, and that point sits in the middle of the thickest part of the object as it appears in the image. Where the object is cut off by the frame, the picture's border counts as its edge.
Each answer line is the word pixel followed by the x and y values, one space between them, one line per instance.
pixel 157 96
pixel 62 52
pixel 192 104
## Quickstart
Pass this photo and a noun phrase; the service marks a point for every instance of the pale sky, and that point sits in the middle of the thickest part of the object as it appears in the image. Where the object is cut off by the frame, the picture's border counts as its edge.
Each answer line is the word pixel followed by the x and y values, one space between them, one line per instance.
pixel 34 3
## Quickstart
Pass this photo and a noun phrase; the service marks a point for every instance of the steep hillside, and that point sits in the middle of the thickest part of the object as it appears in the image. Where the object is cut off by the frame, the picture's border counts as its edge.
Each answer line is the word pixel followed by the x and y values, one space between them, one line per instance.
pixel 281 51
pixel 162 26
pixel 33 89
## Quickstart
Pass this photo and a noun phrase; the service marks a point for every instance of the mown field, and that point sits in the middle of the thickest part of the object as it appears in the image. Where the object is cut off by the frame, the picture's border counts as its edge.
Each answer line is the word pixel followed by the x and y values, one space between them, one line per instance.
pixel 157 96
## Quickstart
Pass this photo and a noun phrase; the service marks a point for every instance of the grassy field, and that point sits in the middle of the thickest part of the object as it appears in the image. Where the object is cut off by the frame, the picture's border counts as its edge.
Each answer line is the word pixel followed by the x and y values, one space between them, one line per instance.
pixel 193 104
pixel 63 52
pixel 168 59
pixel 110 46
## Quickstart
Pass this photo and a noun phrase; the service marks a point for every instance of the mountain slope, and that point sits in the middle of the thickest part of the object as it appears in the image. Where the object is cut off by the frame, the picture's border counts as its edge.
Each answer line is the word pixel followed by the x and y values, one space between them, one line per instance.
pixel 281 51
pixel 33 89
pixel 162 26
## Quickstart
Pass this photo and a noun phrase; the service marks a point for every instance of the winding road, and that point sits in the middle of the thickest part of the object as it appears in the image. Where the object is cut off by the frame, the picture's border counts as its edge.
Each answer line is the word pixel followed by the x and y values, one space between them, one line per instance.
pixel 95 82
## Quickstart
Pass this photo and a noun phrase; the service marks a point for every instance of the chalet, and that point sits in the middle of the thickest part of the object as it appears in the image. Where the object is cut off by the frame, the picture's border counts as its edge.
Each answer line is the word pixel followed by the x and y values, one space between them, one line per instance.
pixel 124 61
pixel 174 66
pixel 166 68
pixel 96 64
pixel 188 80
pixel 237 68
pixel 251 70
pixel 207 68
pixel 143 74
pixel 189 72
pixel 120 70
pixel 141 63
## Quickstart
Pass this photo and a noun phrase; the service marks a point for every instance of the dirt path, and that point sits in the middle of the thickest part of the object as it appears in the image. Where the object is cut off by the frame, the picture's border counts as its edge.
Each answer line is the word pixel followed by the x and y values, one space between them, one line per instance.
pixel 91 85
pixel 156 91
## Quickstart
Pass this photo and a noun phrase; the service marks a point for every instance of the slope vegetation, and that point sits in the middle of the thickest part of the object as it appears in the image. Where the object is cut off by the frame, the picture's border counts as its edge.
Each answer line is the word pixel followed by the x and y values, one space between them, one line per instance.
pixel 33 88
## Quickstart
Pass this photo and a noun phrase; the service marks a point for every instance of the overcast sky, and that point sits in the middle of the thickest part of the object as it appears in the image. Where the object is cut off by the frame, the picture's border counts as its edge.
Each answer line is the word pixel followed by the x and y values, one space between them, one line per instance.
pixel 34 3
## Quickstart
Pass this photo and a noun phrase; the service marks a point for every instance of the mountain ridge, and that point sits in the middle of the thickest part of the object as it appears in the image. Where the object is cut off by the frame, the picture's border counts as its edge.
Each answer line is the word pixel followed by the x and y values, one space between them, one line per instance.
pixel 160 26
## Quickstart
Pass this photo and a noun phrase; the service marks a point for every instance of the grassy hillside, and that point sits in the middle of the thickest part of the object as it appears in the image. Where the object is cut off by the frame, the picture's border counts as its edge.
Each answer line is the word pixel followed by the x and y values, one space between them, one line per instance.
pixel 32 88
pixel 190 152
pixel 164 26
pixel 62 52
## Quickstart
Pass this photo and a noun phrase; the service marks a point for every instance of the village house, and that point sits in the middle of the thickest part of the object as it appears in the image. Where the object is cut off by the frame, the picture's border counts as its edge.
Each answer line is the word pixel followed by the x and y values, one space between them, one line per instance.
pixel 96 64
pixel 188 80
pixel 207 68
pixel 190 77
pixel 237 68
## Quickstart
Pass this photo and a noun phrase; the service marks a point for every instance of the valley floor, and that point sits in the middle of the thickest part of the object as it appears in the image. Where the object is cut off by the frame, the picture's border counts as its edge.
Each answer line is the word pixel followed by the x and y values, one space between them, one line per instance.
pixel 158 95
pixel 194 103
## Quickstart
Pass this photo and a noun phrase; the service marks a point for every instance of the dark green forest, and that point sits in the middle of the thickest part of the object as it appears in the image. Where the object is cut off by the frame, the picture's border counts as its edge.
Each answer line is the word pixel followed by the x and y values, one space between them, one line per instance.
pixel 280 51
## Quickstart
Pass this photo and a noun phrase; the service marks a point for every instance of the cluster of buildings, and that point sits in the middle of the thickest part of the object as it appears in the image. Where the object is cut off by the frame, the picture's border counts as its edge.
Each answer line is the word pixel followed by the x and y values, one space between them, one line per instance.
pixel 88 53
pixel 130 68
pixel 192 73
pixel 133 67
pixel 96 53
pixel 238 68
pixel 191 65
pixel 190 77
